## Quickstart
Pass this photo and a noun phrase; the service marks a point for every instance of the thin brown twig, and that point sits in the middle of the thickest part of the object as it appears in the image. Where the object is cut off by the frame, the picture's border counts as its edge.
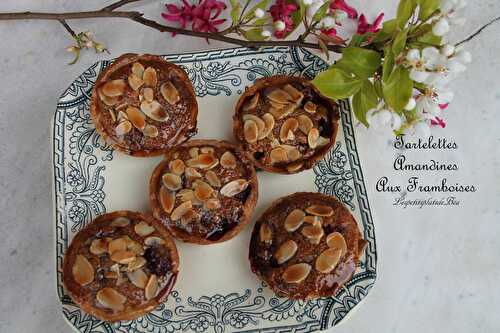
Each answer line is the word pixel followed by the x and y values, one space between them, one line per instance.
pixel 478 31
pixel 68 28
pixel 118 4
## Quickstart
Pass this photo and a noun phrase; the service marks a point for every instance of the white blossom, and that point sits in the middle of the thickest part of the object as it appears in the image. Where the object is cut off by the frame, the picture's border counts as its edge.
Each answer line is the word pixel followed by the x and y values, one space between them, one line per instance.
pixel 327 22
pixel 266 33
pixel 423 62
pixel 441 27
pixel 382 120
pixel 259 13
pixel 447 50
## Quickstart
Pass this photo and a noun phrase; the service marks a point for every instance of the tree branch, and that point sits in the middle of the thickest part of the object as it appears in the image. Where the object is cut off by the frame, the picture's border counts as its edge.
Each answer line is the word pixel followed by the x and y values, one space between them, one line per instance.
pixel 478 31
pixel 68 28
pixel 118 4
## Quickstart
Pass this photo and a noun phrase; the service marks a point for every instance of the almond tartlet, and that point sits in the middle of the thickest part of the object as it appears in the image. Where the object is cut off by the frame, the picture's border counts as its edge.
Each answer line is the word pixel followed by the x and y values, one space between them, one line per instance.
pixel 306 246
pixel 285 124
pixel 143 105
pixel 120 266
pixel 204 191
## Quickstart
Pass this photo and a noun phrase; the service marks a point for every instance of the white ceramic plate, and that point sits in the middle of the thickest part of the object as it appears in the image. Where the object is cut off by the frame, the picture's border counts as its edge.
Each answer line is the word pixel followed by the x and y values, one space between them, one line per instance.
pixel 215 291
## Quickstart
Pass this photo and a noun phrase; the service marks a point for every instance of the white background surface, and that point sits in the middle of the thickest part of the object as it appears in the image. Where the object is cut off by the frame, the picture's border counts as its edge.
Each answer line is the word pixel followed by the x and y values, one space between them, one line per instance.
pixel 438 267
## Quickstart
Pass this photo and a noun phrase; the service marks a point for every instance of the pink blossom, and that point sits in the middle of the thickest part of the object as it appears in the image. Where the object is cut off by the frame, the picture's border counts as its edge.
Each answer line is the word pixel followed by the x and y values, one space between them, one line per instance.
pixel 444 106
pixel 342 5
pixel 282 11
pixel 364 26
pixel 438 122
pixel 203 16
pixel 329 32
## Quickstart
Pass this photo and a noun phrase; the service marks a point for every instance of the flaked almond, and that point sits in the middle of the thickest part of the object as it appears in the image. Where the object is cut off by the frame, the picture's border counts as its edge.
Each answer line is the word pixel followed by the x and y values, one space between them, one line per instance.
pixel 279 96
pixel 212 204
pixel 286 251
pixel 137 263
pixel 212 178
pixel 194 151
pixel 112 114
pixel 292 152
pixel 123 128
pixel 109 101
pixel 181 210
pixel 189 216
pixel 259 122
pixel 296 95
pixel 149 94
pixel 167 199
pixel 312 138
pixel 265 233
pixel 335 240
pixel 119 244
pixel 294 220
pixel 250 131
pixel 154 241
pixel 203 161
pixel 288 128
pixel 278 155
pixel 82 270
pixel 313 232
pixel 111 299
pixel 114 88
pixel 170 93
pixel 122 115
pixel 143 229
pixel 186 194
pixel 177 166
pixel 203 191
pixel 138 69
pixel 120 222
pixel 172 181
pixel 268 125
pixel 136 117
pixel 192 173
pixel 150 77
pixel 227 160
pixel 234 187
pixel 280 113
pixel 322 141
pixel 135 247
pixel 327 260
pixel 138 278
pixel 154 110
pixel 251 103
pixel 296 273
pixel 207 150
pixel 99 246
pixel 150 131
pixel 151 287
pixel 123 257
pixel 135 82
pixel 305 124
pixel 294 167
pixel 314 220
pixel 310 107
pixel 320 210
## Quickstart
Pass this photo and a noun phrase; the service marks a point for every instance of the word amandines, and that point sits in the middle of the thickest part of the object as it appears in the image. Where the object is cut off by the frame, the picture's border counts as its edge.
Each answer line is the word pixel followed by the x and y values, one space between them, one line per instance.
pixel 400 163
pixel 421 144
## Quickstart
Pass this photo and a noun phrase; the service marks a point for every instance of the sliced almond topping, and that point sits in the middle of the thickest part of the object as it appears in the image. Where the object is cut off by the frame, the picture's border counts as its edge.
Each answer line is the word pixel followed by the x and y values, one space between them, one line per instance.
pixel 172 181
pixel 310 107
pixel 278 155
pixel 265 233
pixel 149 94
pixel 135 247
pixel 150 77
pixel 137 263
pixel 212 204
pixel 227 160
pixel 150 131
pixel 188 217
pixel 335 240
pixel 212 178
pixel 167 199
pixel 138 69
pixel 312 138
pixel 186 194
pixel 123 128
pixel 154 110
pixel 194 151
pixel 154 241
pixel 120 222
pixel 119 244
pixel 203 161
pixel 123 257
pixel 136 117
pixel 82 270
pixel 250 131
pixel 192 173
pixel 135 82
pixel 296 273
pixel 143 229
pixel 327 260
pixel 203 191
pixel 207 150
pixel 122 115
pixel 170 93
pixel 314 220
pixel 280 113
pixel 99 246
pixel 294 93
pixel 320 210
pixel 259 122
pixel 268 125
pixel 279 96
pixel 111 299
pixel 138 278
pixel 313 232
pixel 322 141
pixel 151 287
pixel 294 220
pixel 181 210
pixel 177 166
pixel 114 88
pixel 234 187
pixel 294 167
pixel 286 251
pixel 109 101
pixel 292 152
pixel 305 124
pixel 112 114
pixel 252 103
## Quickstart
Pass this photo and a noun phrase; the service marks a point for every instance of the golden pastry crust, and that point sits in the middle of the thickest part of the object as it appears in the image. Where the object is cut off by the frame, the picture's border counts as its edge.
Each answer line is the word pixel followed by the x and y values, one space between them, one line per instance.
pixel 131 271
pixel 285 124
pixel 143 105
pixel 204 191
pixel 306 246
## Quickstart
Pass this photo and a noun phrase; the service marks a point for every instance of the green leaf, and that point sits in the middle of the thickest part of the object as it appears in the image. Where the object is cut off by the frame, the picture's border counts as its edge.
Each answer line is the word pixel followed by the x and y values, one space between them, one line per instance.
pixel 365 99
pixel 399 42
pixel 337 84
pixel 430 38
pixel 388 29
pixel 357 40
pixel 388 64
pixel 322 11
pixel 254 34
pixel 378 88
pixel 362 62
pixel 398 89
pixel 251 12
pixel 235 10
pixel 405 10
pixel 324 48
pixel 427 8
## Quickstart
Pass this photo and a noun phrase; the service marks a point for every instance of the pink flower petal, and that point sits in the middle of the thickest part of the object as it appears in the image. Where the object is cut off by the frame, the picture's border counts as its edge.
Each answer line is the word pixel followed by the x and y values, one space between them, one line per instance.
pixel 342 5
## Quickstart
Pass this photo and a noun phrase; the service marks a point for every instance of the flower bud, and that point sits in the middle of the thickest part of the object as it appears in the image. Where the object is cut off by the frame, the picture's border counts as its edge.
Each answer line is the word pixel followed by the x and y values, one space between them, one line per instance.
pixel 307 2
pixel 279 25
pixel 447 50
pixel 441 27
pixel 259 13
pixel 411 104
pixel 266 33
